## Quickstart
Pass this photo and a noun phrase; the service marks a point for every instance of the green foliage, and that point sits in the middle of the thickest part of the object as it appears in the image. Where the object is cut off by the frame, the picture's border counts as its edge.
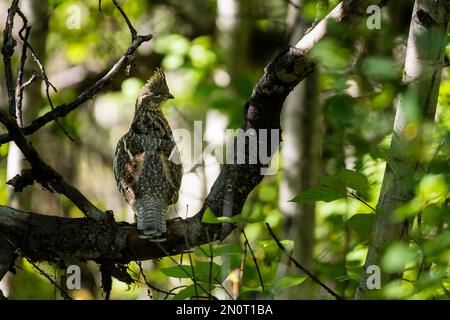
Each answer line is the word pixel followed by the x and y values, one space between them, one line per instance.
pixel 334 188
pixel 396 257
pixel 289 281
pixel 379 67
pixel 209 217
pixel 361 224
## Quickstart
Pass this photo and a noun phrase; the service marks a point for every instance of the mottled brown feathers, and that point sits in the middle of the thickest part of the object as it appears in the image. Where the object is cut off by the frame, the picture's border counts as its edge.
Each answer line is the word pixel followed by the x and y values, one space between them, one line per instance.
pixel 145 175
pixel 154 91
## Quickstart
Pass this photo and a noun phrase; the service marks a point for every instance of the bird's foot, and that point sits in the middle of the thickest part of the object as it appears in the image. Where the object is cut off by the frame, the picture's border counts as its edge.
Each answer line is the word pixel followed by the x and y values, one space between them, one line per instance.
pixel 154 237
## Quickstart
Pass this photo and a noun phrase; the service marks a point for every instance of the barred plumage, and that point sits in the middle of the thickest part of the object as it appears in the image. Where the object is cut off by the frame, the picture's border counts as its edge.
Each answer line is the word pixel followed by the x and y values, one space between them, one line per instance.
pixel 146 163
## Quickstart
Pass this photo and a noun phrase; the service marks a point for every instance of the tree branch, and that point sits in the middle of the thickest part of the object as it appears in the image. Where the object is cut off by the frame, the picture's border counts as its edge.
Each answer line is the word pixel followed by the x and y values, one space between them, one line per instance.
pixel 45 174
pixel 302 268
pixel 20 87
pixel 7 51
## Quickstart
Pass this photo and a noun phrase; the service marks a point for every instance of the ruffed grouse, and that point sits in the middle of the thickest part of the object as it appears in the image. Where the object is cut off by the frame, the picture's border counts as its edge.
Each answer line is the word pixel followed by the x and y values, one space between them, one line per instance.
pixel 147 163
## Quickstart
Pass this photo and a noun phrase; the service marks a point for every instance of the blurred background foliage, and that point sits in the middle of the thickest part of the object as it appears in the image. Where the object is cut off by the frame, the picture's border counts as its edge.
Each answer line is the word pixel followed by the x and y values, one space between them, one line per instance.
pixel 213 52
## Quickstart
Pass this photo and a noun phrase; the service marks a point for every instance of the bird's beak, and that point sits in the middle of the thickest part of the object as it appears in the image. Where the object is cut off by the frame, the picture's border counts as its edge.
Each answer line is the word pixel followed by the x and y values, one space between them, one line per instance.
pixel 170 96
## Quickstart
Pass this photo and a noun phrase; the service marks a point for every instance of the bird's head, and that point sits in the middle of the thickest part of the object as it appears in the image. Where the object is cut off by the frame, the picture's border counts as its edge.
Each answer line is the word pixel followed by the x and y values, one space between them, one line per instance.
pixel 155 92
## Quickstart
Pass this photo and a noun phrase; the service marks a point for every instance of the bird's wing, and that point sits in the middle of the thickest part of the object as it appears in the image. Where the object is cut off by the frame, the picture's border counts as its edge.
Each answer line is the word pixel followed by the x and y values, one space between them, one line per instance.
pixel 171 163
pixel 129 162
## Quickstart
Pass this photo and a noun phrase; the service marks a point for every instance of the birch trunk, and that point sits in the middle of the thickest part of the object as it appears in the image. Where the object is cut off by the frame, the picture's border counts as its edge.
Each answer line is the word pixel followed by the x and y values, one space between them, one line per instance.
pixel 416 105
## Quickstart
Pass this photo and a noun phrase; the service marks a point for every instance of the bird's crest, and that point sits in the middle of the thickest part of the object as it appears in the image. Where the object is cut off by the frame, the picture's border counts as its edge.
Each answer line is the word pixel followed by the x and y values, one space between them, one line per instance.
pixel 156 84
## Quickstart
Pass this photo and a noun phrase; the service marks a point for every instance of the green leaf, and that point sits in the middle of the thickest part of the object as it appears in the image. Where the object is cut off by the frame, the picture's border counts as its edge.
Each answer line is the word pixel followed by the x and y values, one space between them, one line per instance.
pixel 437 245
pixel 397 256
pixel 361 223
pixel 321 193
pixel 354 271
pixel 181 271
pixel 271 245
pixel 332 182
pixel 334 188
pixel 379 67
pixel 188 292
pixel 209 217
pixel 290 281
pixel 288 244
pixel 173 43
pixel 203 269
pixel 223 249
pixel 353 179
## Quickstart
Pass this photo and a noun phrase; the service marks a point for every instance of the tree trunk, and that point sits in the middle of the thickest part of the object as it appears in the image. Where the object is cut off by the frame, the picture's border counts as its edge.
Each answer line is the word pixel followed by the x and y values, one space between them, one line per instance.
pixel 422 75
pixel 233 25
pixel 301 164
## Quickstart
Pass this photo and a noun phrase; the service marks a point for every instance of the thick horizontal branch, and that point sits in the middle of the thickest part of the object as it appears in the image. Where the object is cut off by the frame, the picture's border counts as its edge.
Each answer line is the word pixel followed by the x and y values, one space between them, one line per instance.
pixel 64 109
pixel 55 239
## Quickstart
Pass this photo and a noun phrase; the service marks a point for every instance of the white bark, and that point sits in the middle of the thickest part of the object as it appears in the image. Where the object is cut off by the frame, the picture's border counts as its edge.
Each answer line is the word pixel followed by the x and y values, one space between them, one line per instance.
pixel 422 75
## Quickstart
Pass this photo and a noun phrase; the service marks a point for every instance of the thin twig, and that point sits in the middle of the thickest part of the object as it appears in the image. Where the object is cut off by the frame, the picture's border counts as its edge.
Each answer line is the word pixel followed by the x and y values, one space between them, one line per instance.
pixel 139 263
pixel 298 265
pixel 44 77
pixel 179 266
pixel 192 265
pixel 20 87
pixel 354 196
pixel 42 272
pixel 247 243
pixel 211 260
pixel 172 290
pixel 290 3
pixel 64 109
pixel 241 269
pixel 7 51
pixel 29 81
pixel 223 288
pixel 133 31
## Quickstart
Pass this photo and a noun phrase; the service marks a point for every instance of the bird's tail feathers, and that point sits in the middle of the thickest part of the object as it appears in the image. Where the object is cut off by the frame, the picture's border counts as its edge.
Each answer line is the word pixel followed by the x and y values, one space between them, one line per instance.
pixel 151 218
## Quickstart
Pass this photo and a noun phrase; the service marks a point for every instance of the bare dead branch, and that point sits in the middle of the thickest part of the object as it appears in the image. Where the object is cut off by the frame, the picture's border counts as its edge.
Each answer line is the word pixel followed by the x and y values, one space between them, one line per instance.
pixel 20 87
pixel 7 51
pixel 28 82
pixel 64 109
pixel 45 174
pixel 22 180
pixel 44 77
pixel 133 31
